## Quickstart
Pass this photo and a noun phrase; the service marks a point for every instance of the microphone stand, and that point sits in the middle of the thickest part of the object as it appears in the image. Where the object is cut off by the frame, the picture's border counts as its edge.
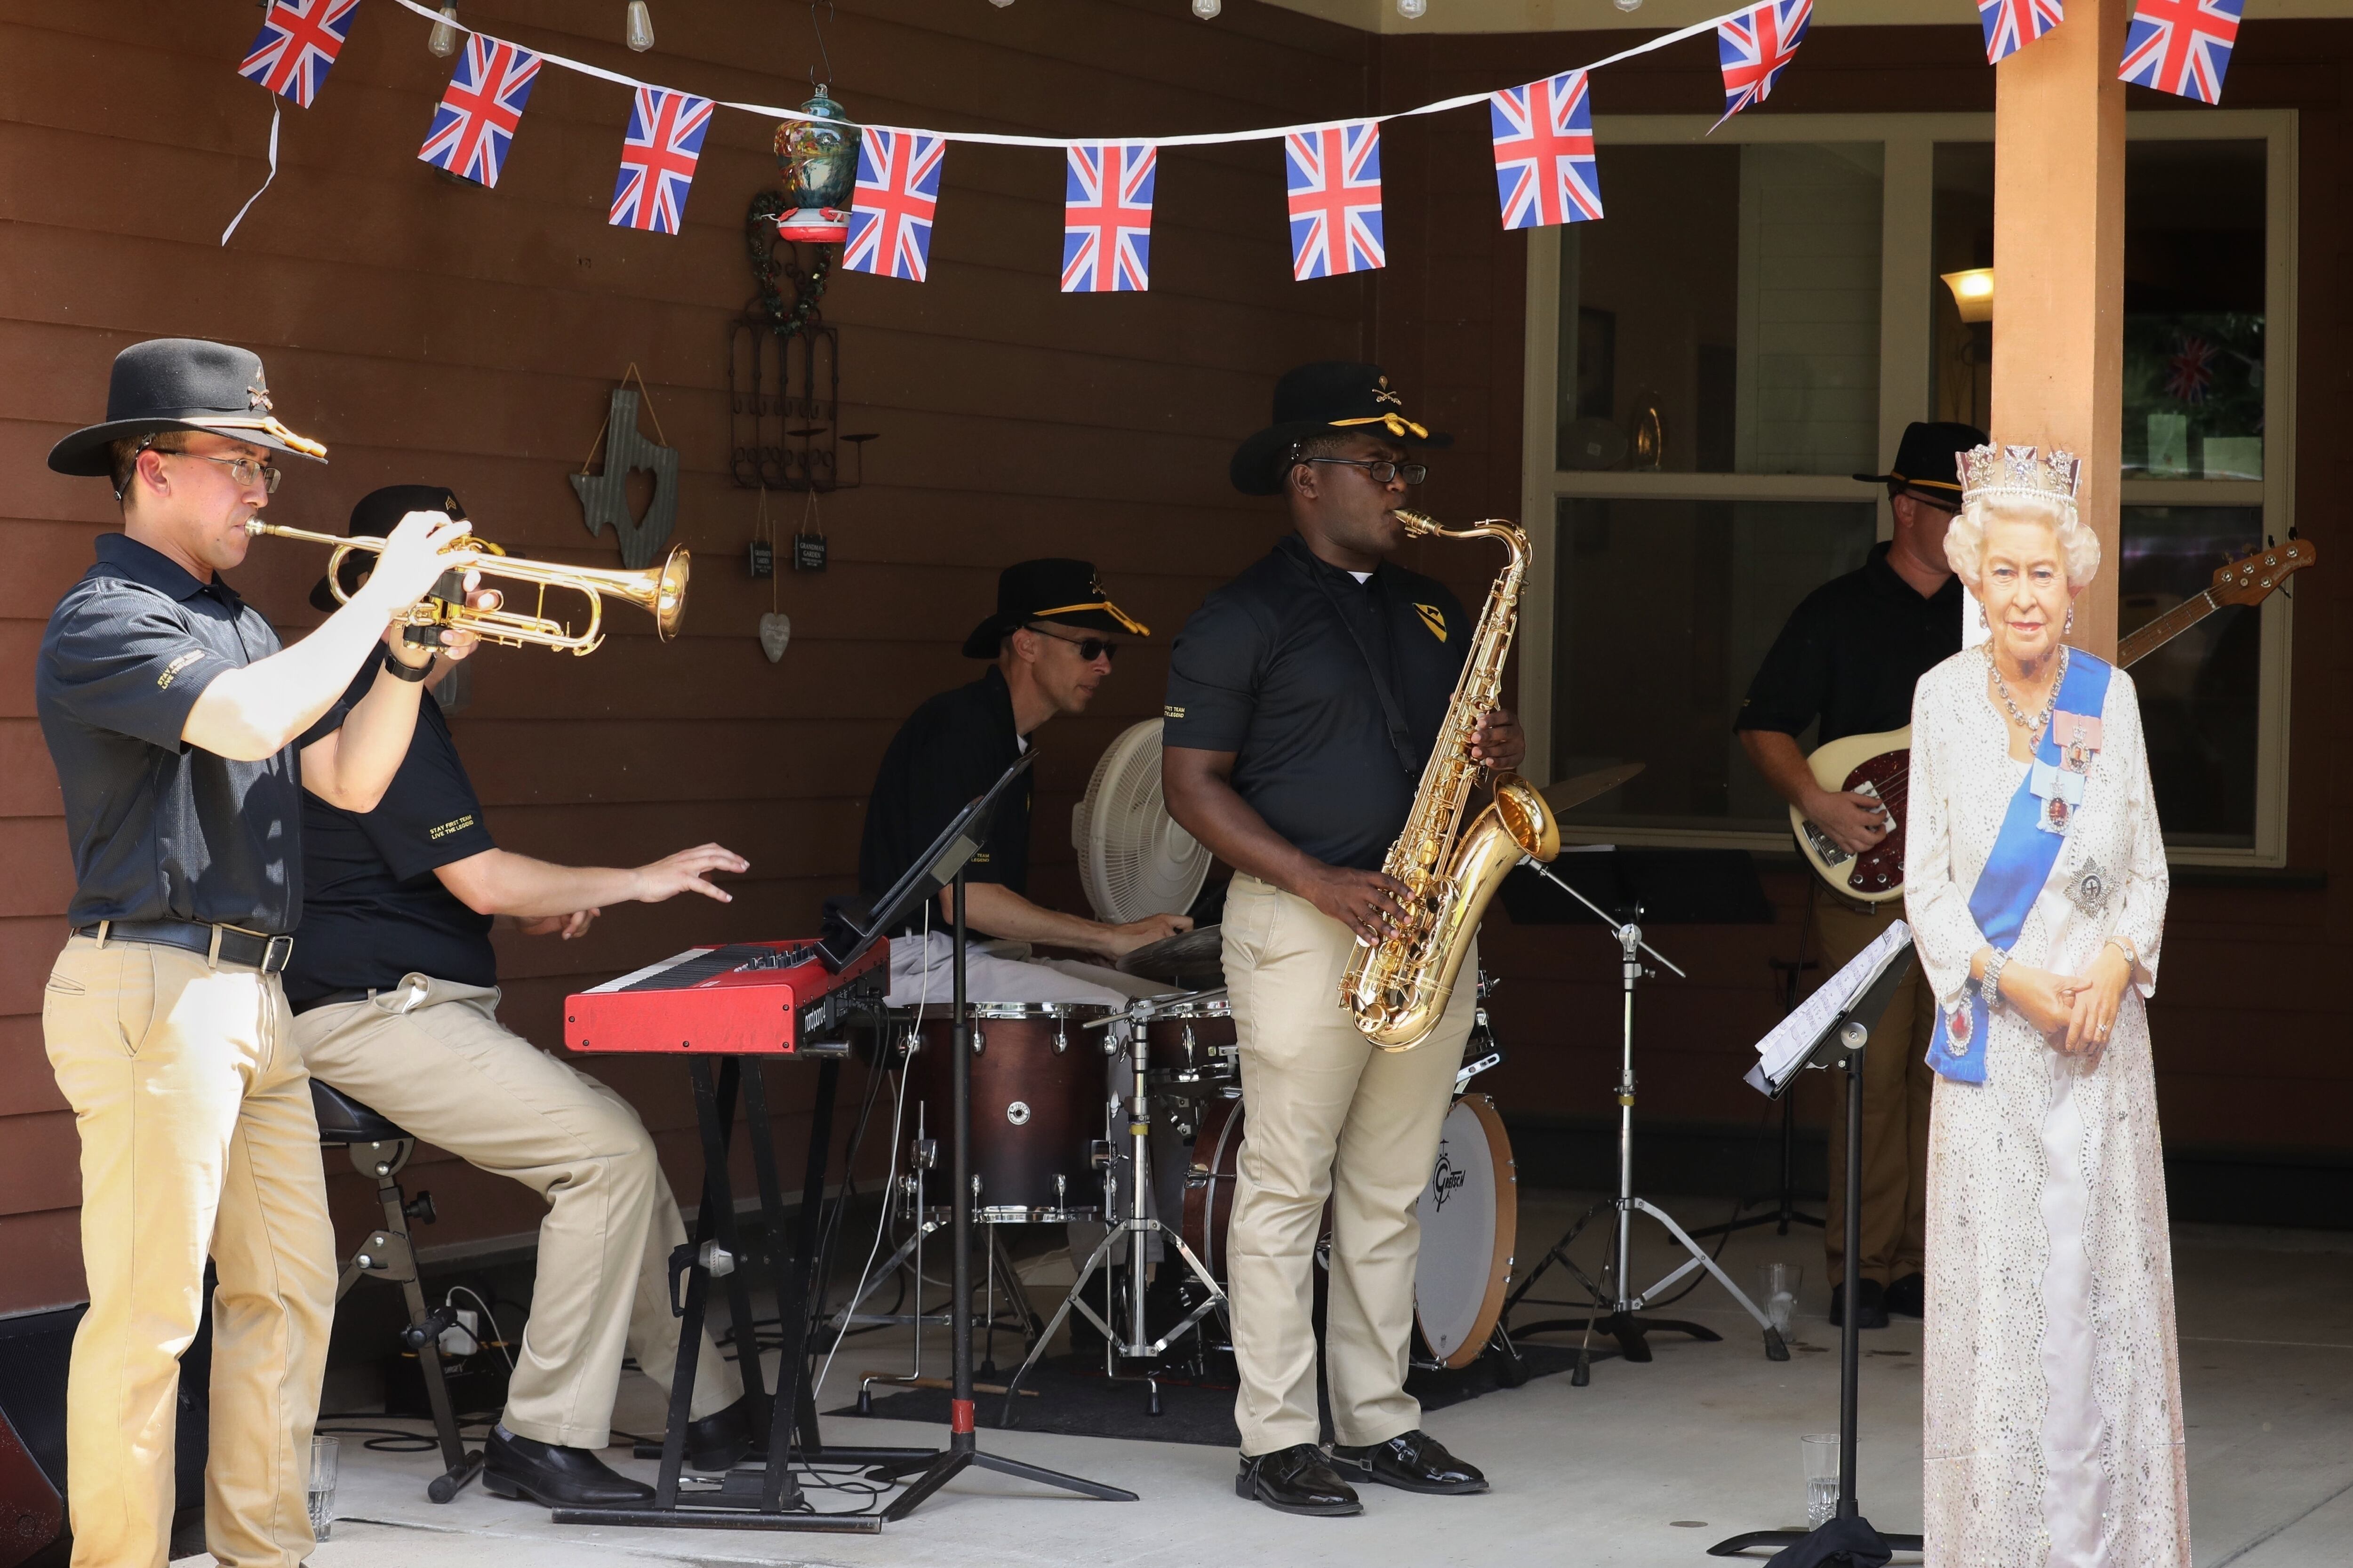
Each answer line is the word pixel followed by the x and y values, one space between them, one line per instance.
pixel 1623 1320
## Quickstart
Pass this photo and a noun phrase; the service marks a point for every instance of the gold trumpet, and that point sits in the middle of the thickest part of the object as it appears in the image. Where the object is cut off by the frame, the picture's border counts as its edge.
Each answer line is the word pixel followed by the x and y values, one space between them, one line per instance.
pixel 659 589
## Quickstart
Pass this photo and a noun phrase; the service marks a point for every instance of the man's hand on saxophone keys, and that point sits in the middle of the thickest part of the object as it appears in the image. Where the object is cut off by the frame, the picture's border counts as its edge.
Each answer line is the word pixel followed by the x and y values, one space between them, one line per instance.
pixel 1498 744
pixel 1368 903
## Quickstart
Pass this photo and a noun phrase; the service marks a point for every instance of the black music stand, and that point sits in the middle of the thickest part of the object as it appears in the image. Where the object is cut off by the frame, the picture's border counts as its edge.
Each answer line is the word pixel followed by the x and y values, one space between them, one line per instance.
pixel 943 866
pixel 1845 1033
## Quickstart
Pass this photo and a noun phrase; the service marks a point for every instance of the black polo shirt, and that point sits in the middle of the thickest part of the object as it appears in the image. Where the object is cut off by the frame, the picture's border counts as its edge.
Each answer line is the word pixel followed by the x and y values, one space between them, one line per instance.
pixel 161 829
pixel 1278 666
pixel 373 911
pixel 943 759
pixel 1851 654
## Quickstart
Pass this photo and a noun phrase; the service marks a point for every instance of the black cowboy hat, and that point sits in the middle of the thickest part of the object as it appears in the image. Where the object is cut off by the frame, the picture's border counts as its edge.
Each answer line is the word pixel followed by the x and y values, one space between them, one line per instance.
pixel 1927 462
pixel 1067 592
pixel 1320 399
pixel 375 515
pixel 181 383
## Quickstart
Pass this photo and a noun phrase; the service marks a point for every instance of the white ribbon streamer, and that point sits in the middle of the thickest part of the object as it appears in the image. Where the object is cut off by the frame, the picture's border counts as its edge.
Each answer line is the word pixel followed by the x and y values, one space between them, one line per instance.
pixel 1206 139
pixel 275 104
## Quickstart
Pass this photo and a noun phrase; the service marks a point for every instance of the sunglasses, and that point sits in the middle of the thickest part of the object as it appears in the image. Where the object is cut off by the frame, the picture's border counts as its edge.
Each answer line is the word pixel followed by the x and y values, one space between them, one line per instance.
pixel 1090 649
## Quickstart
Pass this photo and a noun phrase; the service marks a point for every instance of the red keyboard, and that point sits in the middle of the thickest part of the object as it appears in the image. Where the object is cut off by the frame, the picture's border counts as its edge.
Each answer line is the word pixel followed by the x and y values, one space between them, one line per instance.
pixel 772 998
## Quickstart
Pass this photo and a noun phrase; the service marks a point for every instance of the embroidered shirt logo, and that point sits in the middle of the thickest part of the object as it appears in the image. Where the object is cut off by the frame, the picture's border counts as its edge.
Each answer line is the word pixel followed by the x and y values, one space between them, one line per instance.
pixel 171 671
pixel 1434 618
pixel 455 825
pixel 1170 711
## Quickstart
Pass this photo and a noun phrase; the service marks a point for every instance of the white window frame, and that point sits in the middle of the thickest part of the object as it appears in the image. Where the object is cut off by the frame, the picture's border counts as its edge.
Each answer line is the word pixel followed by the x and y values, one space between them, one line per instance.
pixel 1907 327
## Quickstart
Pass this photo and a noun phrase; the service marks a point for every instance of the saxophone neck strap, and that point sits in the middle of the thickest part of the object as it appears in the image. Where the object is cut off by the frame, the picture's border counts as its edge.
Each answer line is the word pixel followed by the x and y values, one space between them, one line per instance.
pixel 1392 711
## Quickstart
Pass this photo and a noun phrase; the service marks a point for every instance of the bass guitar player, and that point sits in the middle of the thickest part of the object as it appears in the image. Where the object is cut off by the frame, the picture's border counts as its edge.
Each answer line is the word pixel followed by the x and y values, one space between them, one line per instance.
pixel 1846 662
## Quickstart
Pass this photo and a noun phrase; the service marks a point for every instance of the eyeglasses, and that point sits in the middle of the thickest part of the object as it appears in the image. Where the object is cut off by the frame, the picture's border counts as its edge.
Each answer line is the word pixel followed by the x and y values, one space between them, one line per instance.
pixel 1382 470
pixel 246 471
pixel 1090 649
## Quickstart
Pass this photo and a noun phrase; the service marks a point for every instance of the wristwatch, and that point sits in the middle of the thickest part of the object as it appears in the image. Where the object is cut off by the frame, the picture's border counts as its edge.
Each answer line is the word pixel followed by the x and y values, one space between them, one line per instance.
pixel 1991 983
pixel 410 672
pixel 2132 954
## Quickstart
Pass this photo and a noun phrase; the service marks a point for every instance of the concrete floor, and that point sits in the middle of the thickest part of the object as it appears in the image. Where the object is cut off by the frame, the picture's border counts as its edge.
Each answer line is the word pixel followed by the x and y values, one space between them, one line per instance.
pixel 1648 1464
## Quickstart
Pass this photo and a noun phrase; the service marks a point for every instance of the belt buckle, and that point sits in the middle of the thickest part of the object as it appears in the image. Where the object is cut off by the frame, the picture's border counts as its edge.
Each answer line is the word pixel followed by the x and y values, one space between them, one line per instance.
pixel 277 953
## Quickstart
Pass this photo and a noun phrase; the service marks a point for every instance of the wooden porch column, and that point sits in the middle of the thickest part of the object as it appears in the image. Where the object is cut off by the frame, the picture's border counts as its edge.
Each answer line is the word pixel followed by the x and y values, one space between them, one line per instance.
pixel 2059 270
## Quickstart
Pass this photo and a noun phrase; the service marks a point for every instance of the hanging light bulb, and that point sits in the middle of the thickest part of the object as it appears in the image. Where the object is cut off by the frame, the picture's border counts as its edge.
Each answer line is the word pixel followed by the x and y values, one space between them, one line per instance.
pixel 639 35
pixel 443 39
pixel 1206 9
pixel 1412 10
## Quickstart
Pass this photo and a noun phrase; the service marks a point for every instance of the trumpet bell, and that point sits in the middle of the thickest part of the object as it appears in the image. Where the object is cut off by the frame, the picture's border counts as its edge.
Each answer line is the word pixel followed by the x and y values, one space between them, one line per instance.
pixel 668 602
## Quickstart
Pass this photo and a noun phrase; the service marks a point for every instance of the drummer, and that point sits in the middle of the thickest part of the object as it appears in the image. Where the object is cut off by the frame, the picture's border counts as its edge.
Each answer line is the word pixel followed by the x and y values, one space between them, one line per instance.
pixel 1051 644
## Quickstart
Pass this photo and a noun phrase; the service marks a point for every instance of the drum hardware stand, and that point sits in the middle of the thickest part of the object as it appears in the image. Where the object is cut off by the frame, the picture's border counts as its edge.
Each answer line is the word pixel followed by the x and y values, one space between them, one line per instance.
pixel 963 1451
pixel 1135 1343
pixel 1847 1035
pixel 1623 1321
pixel 1786 1212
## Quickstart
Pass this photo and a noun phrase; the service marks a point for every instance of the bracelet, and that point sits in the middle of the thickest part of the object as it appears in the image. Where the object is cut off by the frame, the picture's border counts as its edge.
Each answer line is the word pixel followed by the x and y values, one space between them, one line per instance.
pixel 411 672
pixel 1991 983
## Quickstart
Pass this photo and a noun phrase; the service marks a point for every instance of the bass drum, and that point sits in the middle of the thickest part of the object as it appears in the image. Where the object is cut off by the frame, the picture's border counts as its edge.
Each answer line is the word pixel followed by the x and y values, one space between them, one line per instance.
pixel 1470 1224
pixel 1209 1181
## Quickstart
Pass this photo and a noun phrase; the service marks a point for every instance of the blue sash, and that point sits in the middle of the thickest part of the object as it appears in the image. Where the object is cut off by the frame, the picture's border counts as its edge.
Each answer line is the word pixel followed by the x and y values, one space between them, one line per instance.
pixel 2032 836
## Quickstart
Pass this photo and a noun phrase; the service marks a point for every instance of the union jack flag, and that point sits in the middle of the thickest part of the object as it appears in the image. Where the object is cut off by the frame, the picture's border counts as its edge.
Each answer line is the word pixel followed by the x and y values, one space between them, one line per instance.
pixel 1544 171
pixel 658 159
pixel 1755 46
pixel 2011 25
pixel 898 194
pixel 1335 199
pixel 299 40
pixel 477 115
pixel 1107 217
pixel 2182 47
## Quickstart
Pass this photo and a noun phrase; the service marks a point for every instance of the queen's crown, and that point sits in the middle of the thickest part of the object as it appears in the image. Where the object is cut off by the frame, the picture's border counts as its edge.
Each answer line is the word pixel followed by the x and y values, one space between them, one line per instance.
pixel 2018 471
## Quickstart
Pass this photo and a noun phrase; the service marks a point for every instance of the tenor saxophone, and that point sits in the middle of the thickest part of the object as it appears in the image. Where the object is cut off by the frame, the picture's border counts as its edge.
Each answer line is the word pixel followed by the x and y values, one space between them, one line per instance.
pixel 1396 990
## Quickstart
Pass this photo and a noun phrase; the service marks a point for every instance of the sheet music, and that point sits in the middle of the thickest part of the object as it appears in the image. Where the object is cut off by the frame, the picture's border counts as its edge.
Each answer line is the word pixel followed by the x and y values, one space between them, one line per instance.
pixel 1780 1053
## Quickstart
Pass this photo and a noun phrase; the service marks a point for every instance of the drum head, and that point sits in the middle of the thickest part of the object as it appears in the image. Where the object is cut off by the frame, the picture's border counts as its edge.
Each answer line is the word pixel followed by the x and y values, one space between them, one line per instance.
pixel 1470 1223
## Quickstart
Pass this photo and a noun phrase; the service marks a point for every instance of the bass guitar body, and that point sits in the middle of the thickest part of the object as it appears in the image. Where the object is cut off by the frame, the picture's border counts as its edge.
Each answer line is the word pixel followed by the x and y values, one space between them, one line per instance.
pixel 1876 766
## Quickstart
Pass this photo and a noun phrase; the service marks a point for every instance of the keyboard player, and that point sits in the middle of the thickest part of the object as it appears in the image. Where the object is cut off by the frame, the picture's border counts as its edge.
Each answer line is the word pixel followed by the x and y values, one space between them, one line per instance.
pixel 394 988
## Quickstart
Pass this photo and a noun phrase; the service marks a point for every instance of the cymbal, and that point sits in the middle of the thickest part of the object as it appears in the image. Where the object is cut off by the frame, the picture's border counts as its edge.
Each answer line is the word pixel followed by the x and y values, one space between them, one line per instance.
pixel 1570 793
pixel 1190 958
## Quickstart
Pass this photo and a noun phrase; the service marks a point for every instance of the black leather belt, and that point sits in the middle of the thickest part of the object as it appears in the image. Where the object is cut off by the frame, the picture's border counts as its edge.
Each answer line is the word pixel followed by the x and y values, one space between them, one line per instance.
pixel 333 999
pixel 218 943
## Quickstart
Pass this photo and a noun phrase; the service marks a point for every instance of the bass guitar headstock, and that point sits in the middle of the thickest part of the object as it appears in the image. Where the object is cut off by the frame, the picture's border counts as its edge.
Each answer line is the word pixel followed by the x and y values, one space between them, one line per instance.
pixel 2250 579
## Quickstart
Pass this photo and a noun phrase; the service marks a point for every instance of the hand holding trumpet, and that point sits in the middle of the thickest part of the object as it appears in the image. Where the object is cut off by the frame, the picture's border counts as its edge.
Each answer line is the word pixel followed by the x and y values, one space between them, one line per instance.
pixel 420 548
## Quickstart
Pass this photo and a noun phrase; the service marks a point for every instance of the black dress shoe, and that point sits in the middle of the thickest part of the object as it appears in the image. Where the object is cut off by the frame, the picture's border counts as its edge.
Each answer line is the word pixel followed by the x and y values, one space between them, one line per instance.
pixel 1412 1461
pixel 1907 1297
pixel 554 1476
pixel 1870 1306
pixel 720 1439
pixel 1296 1480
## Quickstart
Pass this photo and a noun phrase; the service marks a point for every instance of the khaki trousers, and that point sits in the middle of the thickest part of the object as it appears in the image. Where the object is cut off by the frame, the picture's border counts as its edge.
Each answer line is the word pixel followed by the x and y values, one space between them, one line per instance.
pixel 197 1136
pixel 1329 1114
pixel 434 1057
pixel 1897 1088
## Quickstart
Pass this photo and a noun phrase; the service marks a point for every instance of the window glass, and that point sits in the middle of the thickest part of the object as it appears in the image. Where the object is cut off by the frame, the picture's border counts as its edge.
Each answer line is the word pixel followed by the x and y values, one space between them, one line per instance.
pixel 2198 691
pixel 1664 609
pixel 1960 240
pixel 1725 316
pixel 2193 379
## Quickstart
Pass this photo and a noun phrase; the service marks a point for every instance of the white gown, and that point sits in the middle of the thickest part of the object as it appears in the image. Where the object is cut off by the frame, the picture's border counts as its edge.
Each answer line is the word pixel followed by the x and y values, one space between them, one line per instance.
pixel 2053 1397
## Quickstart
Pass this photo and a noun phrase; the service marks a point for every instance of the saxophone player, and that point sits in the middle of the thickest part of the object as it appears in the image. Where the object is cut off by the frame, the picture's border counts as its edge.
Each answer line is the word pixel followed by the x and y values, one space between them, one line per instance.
pixel 1303 699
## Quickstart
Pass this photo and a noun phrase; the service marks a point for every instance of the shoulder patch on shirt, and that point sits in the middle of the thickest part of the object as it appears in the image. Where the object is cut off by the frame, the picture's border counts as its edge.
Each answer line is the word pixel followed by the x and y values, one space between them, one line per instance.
pixel 1434 618
pixel 454 826
pixel 1171 710
pixel 171 671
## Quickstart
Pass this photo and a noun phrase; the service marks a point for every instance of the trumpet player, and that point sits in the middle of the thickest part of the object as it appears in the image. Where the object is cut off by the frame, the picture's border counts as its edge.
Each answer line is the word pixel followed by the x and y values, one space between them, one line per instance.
pixel 182 733
pixel 1303 699
pixel 395 989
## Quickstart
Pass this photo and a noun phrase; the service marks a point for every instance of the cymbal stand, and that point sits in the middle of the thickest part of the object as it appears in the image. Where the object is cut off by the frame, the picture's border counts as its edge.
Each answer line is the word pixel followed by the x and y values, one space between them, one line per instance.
pixel 1134 1341
pixel 1624 1321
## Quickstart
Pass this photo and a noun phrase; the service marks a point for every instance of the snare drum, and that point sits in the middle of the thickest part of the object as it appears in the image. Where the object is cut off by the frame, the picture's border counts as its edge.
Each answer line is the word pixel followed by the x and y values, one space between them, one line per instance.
pixel 1038 1101
pixel 1190 1051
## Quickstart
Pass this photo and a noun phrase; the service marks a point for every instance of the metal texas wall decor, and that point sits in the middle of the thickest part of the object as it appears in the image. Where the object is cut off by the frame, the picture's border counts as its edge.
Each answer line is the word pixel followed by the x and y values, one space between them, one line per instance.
pixel 605 497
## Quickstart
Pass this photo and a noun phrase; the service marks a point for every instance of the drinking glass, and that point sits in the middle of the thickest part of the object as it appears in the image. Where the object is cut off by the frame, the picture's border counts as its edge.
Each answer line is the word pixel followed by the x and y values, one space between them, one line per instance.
pixel 326 1456
pixel 1820 1450
pixel 1776 1291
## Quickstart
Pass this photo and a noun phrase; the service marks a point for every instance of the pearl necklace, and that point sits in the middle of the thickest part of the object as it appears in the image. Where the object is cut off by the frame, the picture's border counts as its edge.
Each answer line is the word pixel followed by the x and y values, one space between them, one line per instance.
pixel 2033 731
